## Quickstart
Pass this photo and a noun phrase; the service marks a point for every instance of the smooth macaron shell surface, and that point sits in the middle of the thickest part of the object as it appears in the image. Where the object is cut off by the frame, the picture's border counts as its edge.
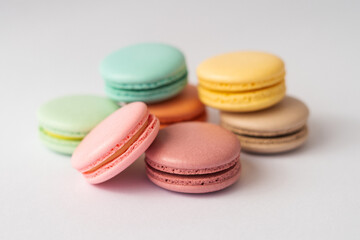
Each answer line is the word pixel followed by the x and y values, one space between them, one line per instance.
pixel 277 129
pixel 186 106
pixel 132 124
pixel 65 121
pixel 194 157
pixel 147 72
pixel 241 81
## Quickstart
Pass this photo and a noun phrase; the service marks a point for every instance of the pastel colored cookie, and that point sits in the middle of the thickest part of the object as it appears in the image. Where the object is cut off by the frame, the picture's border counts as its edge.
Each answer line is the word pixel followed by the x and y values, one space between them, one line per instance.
pixel 115 143
pixel 194 157
pixel 241 81
pixel 277 129
pixel 148 72
pixel 65 121
pixel 186 106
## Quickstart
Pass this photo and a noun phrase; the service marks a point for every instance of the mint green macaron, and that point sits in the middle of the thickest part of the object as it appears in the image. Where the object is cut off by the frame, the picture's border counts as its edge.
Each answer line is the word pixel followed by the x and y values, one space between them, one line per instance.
pixel 65 121
pixel 147 72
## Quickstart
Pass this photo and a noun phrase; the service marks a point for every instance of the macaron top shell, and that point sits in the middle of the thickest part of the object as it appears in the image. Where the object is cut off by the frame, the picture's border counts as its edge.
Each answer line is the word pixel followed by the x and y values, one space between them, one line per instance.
pixel 184 106
pixel 74 115
pixel 194 145
pixel 242 67
pixel 288 115
pixel 143 63
pixel 110 135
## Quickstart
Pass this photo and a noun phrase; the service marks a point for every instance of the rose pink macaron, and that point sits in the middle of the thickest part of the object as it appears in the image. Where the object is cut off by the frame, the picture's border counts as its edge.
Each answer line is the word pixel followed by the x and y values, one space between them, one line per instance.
pixel 194 157
pixel 115 143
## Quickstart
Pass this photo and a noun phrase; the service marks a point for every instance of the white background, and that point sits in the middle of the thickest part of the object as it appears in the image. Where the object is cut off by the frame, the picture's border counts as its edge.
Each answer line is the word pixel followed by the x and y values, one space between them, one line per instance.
pixel 48 49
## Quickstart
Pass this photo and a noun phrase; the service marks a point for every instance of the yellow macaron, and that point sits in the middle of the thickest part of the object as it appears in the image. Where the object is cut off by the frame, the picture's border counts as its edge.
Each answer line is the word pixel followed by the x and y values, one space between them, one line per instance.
pixel 242 81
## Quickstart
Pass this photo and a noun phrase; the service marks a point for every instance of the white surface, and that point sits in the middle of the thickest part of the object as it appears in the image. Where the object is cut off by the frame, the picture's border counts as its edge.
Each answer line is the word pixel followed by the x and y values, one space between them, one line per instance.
pixel 49 49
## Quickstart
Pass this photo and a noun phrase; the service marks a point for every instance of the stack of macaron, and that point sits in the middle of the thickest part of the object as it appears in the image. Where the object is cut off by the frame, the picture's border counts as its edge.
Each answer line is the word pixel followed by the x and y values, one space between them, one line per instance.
pixel 249 90
pixel 152 109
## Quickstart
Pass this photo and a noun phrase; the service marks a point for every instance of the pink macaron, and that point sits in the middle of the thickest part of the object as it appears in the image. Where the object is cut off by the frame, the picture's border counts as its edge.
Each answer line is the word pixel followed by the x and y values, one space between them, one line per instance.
pixel 194 157
pixel 115 143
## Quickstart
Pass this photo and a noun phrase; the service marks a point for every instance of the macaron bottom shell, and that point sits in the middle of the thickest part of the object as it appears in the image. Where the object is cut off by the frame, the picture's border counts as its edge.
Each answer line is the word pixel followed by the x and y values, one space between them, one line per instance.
pixel 201 183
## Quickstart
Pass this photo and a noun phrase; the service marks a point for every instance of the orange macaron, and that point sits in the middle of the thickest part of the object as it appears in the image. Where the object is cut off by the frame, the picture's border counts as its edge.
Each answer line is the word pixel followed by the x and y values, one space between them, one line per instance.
pixel 184 107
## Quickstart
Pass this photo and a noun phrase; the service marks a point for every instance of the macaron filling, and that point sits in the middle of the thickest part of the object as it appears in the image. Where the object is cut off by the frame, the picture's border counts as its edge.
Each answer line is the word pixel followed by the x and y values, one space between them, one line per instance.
pixel 242 86
pixel 264 134
pixel 300 133
pixel 149 85
pixel 58 136
pixel 162 168
pixel 145 91
pixel 195 179
pixel 148 95
pixel 249 100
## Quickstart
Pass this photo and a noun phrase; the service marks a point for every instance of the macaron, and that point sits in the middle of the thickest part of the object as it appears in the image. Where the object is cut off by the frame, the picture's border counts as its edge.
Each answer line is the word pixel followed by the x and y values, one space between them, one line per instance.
pixel 147 72
pixel 194 157
pixel 241 81
pixel 115 143
pixel 186 106
pixel 277 129
pixel 65 121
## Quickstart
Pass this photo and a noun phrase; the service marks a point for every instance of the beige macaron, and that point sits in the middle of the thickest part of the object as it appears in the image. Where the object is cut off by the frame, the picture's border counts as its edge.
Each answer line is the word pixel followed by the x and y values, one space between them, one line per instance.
pixel 277 129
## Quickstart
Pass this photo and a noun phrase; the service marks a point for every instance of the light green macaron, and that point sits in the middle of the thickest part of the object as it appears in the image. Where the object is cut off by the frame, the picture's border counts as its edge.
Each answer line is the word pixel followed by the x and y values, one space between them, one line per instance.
pixel 65 121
